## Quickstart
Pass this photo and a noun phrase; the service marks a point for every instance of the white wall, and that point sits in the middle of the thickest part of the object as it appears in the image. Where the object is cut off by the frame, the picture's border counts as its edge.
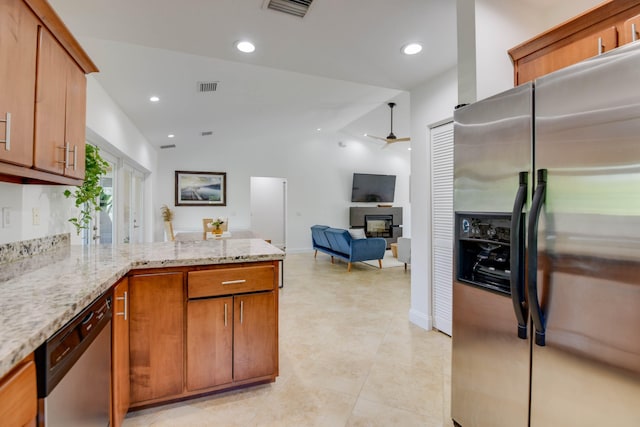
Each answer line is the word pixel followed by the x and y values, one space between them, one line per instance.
pixel 430 103
pixel 318 172
pixel 107 127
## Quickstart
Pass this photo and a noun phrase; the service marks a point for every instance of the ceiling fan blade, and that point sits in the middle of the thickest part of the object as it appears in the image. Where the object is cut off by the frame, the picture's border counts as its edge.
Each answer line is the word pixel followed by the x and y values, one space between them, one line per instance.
pixel 377 137
pixel 401 139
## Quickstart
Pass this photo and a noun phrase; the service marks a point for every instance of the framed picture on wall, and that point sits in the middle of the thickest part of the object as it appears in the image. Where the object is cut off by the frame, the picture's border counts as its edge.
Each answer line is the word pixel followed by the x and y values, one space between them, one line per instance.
pixel 201 188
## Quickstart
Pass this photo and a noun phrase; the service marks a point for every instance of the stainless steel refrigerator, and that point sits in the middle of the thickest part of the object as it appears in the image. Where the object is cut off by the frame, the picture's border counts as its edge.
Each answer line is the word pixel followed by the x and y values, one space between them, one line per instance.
pixel 546 292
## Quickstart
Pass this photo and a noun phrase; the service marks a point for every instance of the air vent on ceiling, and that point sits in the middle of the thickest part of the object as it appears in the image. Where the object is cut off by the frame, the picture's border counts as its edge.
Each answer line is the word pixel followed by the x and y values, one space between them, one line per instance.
pixel 168 146
pixel 207 86
pixel 206 133
pixel 292 7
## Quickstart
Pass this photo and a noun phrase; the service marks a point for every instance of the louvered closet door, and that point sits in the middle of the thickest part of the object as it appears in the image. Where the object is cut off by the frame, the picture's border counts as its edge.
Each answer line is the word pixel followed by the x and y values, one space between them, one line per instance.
pixel 442 225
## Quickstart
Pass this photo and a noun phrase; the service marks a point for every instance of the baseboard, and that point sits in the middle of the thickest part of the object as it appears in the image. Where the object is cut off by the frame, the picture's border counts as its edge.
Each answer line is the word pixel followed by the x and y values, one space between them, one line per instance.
pixel 420 319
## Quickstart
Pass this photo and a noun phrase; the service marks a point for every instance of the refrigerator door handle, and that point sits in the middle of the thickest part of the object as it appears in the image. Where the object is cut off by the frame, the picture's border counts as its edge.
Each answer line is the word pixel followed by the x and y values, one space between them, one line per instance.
pixel 517 271
pixel 532 257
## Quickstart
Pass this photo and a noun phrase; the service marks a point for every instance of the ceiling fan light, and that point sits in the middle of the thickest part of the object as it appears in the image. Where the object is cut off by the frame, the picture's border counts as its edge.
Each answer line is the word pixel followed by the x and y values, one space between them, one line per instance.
pixel 411 48
pixel 245 46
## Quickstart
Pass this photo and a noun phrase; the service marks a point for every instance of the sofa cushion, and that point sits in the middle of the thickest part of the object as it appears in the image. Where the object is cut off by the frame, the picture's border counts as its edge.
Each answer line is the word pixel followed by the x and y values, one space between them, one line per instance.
pixel 357 233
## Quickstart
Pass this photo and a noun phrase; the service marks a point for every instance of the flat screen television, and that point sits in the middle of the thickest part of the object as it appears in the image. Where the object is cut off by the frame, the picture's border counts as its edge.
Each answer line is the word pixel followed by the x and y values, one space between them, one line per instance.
pixel 373 188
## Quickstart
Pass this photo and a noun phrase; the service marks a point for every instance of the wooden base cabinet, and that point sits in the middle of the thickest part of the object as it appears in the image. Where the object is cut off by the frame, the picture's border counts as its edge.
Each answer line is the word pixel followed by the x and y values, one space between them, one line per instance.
pixel 255 342
pixel 18 395
pixel 156 336
pixel 231 340
pixel 197 330
pixel 209 343
pixel 120 386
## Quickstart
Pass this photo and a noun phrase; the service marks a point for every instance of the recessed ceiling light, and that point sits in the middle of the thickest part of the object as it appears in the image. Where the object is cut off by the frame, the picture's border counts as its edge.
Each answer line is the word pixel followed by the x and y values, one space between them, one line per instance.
pixel 319 129
pixel 245 46
pixel 411 48
pixel 154 99
pixel 170 135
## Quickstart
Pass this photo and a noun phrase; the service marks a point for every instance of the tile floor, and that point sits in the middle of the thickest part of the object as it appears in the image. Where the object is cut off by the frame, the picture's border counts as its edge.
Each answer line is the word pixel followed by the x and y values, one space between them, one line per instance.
pixel 348 357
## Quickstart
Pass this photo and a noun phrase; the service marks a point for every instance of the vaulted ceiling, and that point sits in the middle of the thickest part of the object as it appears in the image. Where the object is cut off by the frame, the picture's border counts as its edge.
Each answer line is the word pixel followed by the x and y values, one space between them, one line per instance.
pixel 341 62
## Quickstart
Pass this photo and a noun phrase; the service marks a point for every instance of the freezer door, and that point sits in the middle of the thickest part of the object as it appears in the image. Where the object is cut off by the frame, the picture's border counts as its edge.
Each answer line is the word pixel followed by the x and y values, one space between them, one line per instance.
pixel 489 363
pixel 587 281
pixel 492 145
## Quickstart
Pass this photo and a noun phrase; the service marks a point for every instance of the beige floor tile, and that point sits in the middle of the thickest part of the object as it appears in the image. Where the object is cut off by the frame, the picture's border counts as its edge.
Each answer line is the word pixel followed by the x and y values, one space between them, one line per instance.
pixel 348 357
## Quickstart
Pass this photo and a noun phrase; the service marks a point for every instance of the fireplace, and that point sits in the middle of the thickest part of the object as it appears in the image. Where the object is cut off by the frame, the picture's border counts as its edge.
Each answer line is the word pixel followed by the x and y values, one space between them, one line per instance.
pixel 382 222
pixel 378 225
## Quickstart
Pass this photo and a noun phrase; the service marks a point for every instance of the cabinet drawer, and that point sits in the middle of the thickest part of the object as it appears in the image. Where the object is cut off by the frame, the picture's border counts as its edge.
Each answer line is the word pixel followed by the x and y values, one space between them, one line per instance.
pixel 226 281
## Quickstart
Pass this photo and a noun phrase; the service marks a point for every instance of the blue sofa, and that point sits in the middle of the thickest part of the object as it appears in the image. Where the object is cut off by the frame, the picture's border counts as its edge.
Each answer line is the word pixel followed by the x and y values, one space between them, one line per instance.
pixel 337 242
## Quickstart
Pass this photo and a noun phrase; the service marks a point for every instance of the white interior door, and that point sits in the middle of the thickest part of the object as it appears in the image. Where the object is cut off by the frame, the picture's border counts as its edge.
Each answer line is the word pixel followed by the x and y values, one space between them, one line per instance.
pixel 269 209
pixel 442 225
pixel 132 197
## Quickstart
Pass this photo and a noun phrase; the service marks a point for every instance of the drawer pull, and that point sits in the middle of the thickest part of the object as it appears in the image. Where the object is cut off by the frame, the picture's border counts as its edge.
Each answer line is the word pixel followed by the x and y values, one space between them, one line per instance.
pixel 7 133
pixel 241 312
pixel 234 282
pixel 600 46
pixel 634 34
pixel 124 312
pixel 225 315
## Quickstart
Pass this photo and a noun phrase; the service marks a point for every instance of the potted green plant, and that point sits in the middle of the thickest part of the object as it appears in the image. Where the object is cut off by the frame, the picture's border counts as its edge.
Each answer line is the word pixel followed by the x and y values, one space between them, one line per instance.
pixel 88 195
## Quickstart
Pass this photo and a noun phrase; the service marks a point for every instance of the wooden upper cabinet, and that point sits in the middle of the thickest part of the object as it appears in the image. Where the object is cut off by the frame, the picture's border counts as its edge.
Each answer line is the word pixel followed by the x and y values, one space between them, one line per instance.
pixel 18 33
pixel 42 96
pixel 60 110
pixel 595 31
pixel 554 59
pixel 630 30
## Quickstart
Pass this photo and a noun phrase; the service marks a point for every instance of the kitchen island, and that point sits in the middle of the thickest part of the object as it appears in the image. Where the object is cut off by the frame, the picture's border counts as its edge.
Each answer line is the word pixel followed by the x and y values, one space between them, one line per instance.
pixel 41 294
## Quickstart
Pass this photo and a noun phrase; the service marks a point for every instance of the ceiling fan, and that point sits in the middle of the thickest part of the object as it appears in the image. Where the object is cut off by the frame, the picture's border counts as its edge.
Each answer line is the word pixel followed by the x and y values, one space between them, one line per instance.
pixel 391 138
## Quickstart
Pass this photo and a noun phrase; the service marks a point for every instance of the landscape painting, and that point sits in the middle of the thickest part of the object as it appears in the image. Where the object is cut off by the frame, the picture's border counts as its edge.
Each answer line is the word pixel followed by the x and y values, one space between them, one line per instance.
pixel 201 188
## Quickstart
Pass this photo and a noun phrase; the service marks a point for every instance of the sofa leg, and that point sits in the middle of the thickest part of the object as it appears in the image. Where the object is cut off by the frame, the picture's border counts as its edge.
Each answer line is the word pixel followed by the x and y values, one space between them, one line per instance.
pixel 405 266
pixel 332 260
pixel 380 263
pixel 349 268
pixel 316 254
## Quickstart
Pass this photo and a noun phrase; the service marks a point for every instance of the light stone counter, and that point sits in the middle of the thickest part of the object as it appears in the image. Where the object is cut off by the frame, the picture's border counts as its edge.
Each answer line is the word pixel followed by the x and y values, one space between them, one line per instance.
pixel 40 294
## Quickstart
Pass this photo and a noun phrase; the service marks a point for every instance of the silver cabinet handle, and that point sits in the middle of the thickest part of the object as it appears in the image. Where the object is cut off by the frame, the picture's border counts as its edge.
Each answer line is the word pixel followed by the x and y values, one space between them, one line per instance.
pixel 600 46
pixel 65 147
pixel 241 312
pixel 225 314
pixel 7 133
pixel 123 298
pixel 233 282
pixel 634 34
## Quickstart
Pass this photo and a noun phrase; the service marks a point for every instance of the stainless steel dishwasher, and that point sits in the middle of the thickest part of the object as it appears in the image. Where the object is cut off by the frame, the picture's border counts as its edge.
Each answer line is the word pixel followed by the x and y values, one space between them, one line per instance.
pixel 74 370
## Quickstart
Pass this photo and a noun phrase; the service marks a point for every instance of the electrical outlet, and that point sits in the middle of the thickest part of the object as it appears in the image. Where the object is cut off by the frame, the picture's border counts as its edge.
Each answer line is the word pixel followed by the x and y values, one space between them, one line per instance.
pixel 36 216
pixel 6 217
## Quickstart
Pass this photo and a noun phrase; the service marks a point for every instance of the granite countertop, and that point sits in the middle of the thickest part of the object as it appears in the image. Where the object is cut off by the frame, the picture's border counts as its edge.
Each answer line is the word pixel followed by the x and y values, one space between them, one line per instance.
pixel 44 292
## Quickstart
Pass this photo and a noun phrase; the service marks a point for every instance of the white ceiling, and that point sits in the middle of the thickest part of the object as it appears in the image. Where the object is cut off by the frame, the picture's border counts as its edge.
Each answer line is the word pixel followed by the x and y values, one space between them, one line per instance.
pixel 327 70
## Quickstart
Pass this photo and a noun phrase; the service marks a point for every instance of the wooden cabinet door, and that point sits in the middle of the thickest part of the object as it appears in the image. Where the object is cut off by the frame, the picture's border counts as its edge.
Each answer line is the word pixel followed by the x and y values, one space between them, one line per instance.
pixel 156 335
pixel 18 395
pixel 630 30
pixel 50 105
pixel 76 105
pixel 255 336
pixel 209 342
pixel 18 43
pixel 60 110
pixel 120 353
pixel 576 51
